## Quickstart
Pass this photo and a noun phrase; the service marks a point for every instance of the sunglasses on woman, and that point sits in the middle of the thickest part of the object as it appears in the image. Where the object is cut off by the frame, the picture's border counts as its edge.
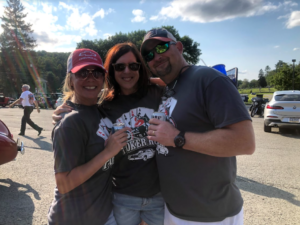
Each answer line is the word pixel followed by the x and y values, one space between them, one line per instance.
pixel 159 49
pixel 121 66
pixel 84 73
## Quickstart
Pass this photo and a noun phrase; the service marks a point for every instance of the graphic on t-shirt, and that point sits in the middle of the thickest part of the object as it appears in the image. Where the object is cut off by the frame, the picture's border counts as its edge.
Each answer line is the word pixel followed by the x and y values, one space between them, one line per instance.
pixel 143 154
pixel 103 131
pixel 138 120
pixel 166 107
pixel 31 98
pixel 161 149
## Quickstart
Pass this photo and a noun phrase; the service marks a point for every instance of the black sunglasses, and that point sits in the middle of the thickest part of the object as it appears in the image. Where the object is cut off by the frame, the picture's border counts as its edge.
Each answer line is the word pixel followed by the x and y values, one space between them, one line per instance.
pixel 121 66
pixel 84 73
pixel 159 49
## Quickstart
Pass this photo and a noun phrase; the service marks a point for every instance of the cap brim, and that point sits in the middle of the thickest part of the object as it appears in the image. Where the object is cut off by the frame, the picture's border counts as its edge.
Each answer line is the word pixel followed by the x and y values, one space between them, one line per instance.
pixel 79 67
pixel 155 38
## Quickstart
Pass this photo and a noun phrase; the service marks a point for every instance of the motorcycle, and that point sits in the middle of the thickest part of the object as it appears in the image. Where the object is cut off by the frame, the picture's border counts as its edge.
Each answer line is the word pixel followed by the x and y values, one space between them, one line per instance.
pixel 257 107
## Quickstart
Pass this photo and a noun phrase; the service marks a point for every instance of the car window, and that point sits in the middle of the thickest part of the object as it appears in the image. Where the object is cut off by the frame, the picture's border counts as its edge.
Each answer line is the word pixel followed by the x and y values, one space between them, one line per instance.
pixel 287 97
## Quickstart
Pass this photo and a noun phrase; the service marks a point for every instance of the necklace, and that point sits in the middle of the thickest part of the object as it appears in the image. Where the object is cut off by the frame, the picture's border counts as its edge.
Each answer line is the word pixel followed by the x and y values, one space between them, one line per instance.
pixel 170 91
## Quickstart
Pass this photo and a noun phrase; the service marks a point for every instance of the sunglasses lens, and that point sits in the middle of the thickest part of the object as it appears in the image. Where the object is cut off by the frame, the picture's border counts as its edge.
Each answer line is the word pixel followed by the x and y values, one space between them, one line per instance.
pixel 134 66
pixel 98 74
pixel 149 56
pixel 120 67
pixel 162 48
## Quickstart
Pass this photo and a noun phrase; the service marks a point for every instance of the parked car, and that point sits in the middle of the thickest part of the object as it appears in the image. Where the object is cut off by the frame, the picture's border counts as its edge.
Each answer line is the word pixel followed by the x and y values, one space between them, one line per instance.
pixel 58 102
pixel 8 147
pixel 282 111
pixel 4 101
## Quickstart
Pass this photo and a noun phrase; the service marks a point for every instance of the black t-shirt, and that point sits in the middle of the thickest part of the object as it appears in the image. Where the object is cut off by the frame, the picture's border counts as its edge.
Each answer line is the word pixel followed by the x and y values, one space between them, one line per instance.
pixel 76 140
pixel 135 169
pixel 195 186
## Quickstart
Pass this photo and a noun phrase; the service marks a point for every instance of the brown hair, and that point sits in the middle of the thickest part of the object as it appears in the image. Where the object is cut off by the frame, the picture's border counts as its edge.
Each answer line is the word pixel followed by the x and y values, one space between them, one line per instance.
pixel 113 88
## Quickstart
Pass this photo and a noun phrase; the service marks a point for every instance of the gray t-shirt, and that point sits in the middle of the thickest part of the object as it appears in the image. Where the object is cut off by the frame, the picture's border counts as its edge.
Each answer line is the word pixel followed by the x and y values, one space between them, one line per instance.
pixel 195 186
pixel 77 140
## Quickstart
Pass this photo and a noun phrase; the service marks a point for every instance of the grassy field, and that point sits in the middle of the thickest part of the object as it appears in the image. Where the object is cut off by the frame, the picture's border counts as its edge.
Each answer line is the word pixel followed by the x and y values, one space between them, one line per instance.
pixel 252 92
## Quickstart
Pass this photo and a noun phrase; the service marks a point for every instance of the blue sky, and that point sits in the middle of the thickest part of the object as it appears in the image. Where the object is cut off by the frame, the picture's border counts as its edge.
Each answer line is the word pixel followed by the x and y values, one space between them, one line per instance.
pixel 248 34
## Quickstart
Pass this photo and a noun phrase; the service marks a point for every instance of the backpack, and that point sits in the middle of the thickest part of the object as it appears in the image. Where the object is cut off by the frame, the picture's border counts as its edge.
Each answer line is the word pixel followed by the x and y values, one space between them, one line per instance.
pixel 31 98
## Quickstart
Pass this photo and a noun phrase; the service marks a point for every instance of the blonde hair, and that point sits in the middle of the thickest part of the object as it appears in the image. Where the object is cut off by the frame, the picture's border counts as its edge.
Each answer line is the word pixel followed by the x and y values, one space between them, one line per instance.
pixel 68 90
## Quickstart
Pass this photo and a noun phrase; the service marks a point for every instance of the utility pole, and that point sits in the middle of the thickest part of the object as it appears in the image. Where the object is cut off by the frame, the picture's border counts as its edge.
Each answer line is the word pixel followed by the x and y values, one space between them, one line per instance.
pixel 293 60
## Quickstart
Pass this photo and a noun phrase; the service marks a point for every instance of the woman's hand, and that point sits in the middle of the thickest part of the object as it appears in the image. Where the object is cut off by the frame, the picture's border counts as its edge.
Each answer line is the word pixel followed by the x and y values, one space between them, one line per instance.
pixel 64 108
pixel 116 142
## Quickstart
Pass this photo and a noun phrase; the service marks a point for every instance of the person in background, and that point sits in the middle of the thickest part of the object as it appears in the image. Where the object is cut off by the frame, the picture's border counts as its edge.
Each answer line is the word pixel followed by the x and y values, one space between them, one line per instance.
pixel 83 148
pixel 207 127
pixel 27 98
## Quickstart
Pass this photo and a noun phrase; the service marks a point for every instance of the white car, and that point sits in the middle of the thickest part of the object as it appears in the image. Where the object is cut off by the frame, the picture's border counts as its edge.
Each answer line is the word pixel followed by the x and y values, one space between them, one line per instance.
pixel 282 111
pixel 58 102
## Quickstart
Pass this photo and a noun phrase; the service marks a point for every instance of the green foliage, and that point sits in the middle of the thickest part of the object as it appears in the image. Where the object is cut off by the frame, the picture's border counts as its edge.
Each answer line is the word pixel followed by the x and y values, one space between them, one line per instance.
pixel 261 79
pixel 191 51
pixel 283 78
pixel 17 46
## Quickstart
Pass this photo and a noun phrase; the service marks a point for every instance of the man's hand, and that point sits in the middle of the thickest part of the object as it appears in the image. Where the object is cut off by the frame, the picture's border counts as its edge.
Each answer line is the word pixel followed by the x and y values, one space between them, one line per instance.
pixel 162 132
pixel 61 109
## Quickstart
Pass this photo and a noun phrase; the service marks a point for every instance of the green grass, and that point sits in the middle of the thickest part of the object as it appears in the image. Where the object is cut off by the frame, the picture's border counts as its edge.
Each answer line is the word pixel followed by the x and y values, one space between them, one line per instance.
pixel 263 91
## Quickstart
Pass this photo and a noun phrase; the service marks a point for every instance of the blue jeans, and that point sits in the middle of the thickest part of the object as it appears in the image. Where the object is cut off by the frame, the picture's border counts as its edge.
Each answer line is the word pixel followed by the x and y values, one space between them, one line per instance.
pixel 131 210
pixel 111 220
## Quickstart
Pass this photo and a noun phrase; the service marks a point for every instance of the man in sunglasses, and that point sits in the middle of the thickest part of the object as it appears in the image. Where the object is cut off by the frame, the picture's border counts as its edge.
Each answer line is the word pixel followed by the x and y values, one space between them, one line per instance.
pixel 208 126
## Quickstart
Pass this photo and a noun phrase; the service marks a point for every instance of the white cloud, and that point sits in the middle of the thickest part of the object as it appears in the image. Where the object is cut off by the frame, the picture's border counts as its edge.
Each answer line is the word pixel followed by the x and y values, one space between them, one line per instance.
pixel 277 46
pixel 139 16
pixel 204 11
pixel 294 20
pixel 142 1
pixel 83 21
pixel 296 49
pixel 243 72
pixel 107 35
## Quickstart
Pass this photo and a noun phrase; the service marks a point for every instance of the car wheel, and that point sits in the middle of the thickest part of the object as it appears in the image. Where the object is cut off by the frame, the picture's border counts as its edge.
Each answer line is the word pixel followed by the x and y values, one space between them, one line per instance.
pixel 145 158
pixel 267 128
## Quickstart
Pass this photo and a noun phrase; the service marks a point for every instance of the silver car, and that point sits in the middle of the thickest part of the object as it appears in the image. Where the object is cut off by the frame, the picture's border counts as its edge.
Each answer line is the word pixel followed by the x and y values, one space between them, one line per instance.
pixel 282 111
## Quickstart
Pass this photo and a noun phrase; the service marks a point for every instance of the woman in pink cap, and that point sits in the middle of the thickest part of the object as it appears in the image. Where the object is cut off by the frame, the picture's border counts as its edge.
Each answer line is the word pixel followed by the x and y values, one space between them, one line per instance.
pixel 83 148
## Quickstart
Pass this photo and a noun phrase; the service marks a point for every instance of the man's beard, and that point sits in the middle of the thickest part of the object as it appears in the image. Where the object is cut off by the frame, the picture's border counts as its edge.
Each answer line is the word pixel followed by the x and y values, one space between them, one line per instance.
pixel 164 72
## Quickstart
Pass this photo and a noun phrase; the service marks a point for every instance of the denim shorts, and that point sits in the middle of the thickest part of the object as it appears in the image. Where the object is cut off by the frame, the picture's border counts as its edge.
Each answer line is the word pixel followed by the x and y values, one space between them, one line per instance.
pixel 132 210
pixel 111 220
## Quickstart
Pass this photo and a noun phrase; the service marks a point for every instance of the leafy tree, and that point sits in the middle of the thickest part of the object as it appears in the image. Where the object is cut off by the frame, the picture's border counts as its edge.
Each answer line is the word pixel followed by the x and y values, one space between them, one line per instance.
pixel 267 70
pixel 283 79
pixel 261 79
pixel 17 47
pixel 245 84
pixel 253 84
pixel 191 51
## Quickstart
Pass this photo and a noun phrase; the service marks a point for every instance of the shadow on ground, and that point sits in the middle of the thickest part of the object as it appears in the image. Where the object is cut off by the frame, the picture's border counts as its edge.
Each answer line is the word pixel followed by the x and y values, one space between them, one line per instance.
pixel 16 207
pixel 43 145
pixel 257 188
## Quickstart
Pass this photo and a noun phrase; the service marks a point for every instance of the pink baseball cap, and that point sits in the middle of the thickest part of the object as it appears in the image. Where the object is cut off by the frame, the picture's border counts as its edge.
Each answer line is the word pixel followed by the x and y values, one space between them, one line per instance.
pixel 83 57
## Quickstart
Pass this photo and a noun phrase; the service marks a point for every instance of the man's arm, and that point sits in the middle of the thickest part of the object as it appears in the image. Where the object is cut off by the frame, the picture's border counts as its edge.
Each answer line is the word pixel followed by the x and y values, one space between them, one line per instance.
pixel 15 102
pixel 232 140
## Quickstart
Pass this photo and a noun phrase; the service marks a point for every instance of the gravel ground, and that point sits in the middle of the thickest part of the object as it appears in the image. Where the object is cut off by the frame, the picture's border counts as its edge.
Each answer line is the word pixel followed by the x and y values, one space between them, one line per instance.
pixel 269 179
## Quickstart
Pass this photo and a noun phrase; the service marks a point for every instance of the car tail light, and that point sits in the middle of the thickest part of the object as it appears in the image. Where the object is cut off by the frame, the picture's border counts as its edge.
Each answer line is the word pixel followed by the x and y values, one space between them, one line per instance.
pixel 274 107
pixel 272 116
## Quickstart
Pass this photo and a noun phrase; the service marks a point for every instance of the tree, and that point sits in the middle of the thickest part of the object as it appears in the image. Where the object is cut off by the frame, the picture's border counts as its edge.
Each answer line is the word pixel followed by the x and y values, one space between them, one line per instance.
pixel 17 45
pixel 245 84
pixel 253 84
pixel 267 70
pixel 191 51
pixel 283 79
pixel 261 79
